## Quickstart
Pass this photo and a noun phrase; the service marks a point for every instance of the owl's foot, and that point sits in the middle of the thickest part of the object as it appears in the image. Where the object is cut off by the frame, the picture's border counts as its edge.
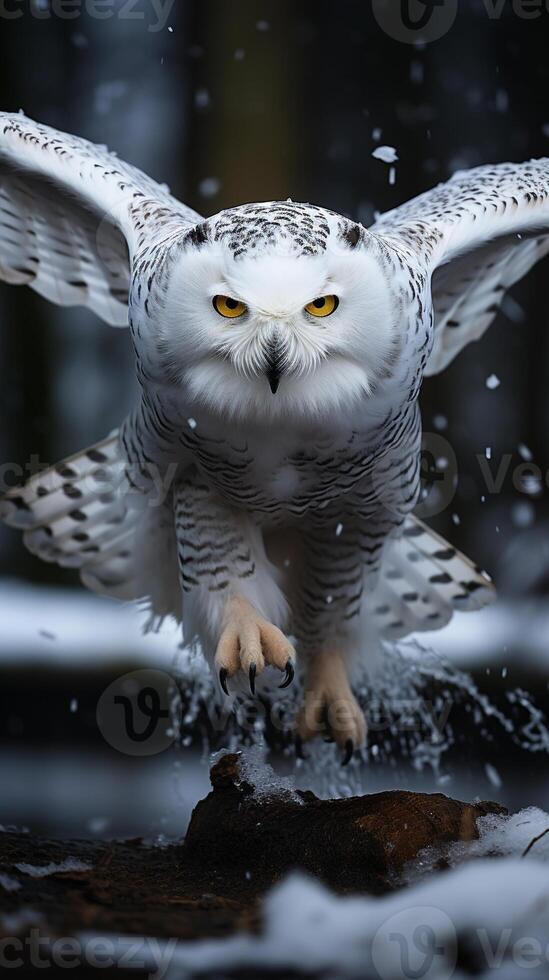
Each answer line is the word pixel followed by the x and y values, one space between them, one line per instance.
pixel 249 643
pixel 330 706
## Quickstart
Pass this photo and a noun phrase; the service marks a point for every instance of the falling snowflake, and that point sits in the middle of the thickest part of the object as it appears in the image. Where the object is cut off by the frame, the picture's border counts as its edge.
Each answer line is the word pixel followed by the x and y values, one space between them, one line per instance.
pixel 386 153
pixel 209 187
pixel 493 775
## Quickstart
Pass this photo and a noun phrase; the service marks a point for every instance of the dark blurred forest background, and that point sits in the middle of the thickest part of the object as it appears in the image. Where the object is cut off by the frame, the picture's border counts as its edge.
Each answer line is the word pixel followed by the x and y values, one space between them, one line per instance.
pixel 268 99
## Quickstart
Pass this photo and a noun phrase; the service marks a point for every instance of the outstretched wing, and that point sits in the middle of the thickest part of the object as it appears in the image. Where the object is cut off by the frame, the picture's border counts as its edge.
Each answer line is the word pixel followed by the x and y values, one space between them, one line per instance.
pixel 71 216
pixel 479 233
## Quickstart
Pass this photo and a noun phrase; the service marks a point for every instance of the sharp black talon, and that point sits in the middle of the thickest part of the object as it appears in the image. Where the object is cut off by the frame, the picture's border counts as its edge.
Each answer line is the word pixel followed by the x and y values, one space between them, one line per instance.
pixel 349 749
pixel 253 672
pixel 290 674
pixel 223 680
pixel 299 748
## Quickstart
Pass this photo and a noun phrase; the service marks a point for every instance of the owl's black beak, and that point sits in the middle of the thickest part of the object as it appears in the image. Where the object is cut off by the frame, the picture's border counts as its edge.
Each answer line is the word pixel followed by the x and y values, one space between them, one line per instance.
pixel 274 366
pixel 273 377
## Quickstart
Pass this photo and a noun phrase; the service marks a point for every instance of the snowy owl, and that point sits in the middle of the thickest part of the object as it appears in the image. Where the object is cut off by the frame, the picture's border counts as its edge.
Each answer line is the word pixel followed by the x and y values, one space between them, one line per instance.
pixel 264 484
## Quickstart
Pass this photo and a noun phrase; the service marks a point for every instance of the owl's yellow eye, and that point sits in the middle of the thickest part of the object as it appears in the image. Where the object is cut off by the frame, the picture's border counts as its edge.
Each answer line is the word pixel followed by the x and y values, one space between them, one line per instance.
pixel 226 306
pixel 322 306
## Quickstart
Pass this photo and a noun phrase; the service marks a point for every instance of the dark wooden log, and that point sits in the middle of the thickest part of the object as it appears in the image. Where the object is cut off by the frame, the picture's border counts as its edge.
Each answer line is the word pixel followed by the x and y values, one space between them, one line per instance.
pixel 359 844
pixel 239 842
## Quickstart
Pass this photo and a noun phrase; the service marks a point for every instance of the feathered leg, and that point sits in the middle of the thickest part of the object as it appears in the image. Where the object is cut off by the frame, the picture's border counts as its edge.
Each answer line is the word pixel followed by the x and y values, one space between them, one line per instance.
pixel 232 601
pixel 340 565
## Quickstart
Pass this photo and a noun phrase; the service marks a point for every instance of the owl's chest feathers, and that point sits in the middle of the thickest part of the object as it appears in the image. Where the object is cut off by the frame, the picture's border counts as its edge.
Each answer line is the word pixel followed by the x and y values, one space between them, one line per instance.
pixel 270 479
pixel 281 470
pixel 288 476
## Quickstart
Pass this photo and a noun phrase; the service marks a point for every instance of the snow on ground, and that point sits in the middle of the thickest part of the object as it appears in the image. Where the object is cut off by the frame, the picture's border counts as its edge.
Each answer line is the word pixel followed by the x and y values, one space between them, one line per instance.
pixel 410 934
pixel 9 884
pixel 45 870
pixel 256 771
pixel 525 833
pixel 494 909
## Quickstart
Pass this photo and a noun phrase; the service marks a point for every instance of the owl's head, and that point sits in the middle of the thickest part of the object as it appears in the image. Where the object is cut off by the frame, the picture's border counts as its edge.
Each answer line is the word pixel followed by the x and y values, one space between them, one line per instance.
pixel 278 310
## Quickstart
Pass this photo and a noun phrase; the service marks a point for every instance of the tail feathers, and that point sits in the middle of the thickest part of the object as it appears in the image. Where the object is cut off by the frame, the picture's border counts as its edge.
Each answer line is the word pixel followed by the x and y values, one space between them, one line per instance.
pixel 423 581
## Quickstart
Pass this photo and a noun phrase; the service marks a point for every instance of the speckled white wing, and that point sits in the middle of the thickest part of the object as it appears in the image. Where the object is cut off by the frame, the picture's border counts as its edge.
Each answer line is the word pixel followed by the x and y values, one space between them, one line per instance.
pixel 478 234
pixel 84 514
pixel 72 215
pixel 423 581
